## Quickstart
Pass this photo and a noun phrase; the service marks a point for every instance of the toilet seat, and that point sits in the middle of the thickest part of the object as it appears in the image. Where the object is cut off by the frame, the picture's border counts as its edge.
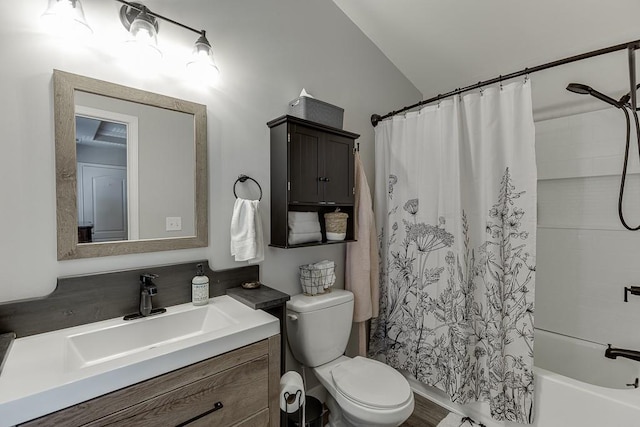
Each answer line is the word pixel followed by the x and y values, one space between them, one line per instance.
pixel 371 383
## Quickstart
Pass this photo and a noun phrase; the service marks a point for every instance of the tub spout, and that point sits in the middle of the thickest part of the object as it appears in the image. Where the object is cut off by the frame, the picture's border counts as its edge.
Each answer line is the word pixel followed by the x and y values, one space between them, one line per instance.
pixel 613 353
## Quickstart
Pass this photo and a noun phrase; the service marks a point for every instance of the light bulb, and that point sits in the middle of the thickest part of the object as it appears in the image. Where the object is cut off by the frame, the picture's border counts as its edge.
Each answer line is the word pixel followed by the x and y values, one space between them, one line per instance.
pixel 202 67
pixel 66 18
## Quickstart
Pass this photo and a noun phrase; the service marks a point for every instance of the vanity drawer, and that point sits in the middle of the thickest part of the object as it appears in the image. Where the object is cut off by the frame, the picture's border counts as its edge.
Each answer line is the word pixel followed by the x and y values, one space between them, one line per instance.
pixel 241 391
pixel 245 381
pixel 261 419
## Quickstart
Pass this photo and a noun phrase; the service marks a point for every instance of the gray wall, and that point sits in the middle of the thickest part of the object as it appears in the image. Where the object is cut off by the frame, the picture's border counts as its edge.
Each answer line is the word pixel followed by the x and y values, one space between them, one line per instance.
pixel 267 52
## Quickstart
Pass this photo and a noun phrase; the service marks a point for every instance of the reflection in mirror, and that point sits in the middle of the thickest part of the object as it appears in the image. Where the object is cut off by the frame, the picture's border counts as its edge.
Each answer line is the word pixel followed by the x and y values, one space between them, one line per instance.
pixel 131 169
pixel 136 165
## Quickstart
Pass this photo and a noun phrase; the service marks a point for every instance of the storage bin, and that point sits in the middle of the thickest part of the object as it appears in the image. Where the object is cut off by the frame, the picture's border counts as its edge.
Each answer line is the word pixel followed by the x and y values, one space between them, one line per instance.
pixel 336 225
pixel 317 280
pixel 316 111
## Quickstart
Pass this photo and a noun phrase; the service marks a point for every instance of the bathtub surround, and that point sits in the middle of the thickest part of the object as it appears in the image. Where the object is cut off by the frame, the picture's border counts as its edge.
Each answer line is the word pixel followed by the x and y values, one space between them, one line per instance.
pixel 86 299
pixel 456 211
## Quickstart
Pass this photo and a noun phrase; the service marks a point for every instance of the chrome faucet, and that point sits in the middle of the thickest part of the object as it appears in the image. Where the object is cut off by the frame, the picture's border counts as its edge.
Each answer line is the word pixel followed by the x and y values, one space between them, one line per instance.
pixel 147 290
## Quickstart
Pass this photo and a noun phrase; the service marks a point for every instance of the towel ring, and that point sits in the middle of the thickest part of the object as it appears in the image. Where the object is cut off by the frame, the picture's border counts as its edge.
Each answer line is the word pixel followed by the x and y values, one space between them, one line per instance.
pixel 243 178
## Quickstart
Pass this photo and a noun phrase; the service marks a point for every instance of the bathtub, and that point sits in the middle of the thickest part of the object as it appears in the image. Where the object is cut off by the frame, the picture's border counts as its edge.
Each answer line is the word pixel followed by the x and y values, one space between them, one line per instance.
pixel 576 386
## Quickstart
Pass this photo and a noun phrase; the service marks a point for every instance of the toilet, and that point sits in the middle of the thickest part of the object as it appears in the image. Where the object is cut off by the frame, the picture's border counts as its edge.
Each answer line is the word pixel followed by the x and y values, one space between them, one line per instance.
pixel 361 391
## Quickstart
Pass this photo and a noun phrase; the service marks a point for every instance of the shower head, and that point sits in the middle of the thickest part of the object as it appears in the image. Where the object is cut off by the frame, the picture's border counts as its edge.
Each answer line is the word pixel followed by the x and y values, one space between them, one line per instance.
pixel 588 90
pixel 579 88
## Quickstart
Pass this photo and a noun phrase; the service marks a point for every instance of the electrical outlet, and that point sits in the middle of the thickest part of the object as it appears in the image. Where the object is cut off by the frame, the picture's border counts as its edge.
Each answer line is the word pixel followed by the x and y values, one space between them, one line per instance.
pixel 174 223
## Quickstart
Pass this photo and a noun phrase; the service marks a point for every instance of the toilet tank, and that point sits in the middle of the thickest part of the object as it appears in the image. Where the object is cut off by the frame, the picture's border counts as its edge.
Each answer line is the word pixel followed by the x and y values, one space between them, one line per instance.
pixel 318 327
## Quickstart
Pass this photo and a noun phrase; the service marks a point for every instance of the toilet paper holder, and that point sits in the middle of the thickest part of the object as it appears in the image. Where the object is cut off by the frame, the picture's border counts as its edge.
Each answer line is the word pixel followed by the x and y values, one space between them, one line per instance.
pixel 291 398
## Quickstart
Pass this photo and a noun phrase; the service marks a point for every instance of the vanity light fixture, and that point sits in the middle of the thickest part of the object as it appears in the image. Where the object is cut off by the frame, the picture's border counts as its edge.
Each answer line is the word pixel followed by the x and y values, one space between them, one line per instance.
pixel 202 66
pixel 66 17
pixel 142 23
pixel 143 29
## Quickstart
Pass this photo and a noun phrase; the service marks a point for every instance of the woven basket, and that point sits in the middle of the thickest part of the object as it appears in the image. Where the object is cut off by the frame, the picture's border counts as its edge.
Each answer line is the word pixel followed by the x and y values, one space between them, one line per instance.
pixel 336 222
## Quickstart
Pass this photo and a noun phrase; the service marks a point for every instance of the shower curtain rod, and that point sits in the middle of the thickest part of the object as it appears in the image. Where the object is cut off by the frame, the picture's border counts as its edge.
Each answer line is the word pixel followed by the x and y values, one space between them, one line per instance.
pixel 631 46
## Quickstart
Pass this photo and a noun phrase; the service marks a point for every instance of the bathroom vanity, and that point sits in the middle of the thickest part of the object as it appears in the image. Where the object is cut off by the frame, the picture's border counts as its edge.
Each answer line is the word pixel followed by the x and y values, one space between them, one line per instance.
pixel 217 364
pixel 228 390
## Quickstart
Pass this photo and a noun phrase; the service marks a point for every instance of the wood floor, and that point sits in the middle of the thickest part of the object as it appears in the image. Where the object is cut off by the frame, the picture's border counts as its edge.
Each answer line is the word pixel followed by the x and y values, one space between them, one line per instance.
pixel 425 413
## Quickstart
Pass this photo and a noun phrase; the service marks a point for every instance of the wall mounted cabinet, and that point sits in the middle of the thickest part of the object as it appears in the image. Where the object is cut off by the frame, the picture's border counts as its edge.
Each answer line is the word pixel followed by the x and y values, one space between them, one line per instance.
pixel 312 169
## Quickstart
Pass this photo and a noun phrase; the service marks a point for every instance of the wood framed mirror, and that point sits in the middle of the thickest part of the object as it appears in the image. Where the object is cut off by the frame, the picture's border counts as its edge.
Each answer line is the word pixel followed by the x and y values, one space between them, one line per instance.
pixel 131 169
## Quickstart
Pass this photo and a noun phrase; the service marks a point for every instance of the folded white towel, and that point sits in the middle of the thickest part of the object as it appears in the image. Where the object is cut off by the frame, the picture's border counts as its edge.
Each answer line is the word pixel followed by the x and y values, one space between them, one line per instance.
pixel 297 238
pixel 327 270
pixel 296 217
pixel 305 227
pixel 247 241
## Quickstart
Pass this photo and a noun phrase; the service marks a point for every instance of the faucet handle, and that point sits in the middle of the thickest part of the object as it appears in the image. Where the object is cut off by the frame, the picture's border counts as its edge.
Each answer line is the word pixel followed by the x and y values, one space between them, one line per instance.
pixel 147 277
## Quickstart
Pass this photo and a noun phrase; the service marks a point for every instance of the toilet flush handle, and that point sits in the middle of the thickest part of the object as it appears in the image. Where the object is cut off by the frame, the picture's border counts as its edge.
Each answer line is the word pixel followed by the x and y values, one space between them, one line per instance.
pixel 292 317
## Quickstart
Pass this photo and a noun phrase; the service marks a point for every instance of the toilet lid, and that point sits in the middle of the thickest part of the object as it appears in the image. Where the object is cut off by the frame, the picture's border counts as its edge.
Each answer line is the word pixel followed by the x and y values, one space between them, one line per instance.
pixel 371 383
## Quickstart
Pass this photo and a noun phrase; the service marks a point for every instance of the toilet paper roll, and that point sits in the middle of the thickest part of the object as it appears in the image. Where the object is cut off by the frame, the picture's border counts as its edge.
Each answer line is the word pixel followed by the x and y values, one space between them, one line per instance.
pixel 291 392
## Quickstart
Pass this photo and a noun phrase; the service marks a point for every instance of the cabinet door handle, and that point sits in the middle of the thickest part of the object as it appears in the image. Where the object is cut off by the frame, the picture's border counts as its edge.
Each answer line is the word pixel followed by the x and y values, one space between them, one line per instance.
pixel 216 406
pixel 321 178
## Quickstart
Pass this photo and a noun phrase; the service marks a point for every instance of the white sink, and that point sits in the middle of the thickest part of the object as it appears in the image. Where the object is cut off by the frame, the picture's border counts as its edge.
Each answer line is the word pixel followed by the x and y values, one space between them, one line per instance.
pixel 47 372
pixel 101 345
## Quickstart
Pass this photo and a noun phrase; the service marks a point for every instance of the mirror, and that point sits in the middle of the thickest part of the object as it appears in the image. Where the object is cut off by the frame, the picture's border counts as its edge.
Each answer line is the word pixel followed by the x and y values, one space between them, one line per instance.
pixel 131 169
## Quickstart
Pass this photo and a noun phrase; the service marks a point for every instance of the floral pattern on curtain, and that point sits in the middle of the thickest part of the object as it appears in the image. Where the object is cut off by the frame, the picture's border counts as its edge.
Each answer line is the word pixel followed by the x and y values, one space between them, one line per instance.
pixel 457 301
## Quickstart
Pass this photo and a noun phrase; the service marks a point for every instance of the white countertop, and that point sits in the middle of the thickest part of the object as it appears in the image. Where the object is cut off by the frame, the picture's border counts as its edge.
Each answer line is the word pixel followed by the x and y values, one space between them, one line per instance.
pixel 38 377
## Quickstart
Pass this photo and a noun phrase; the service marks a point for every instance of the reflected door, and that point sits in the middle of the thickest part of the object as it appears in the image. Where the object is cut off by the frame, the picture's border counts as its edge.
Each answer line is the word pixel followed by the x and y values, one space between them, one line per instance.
pixel 103 200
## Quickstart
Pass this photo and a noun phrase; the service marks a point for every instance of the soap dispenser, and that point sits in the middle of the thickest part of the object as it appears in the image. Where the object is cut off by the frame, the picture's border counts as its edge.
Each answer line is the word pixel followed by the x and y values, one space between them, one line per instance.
pixel 200 287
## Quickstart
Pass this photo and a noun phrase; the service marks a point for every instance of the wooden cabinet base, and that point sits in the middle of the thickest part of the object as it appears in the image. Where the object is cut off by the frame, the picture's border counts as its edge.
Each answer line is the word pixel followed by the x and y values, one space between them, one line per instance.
pixel 238 388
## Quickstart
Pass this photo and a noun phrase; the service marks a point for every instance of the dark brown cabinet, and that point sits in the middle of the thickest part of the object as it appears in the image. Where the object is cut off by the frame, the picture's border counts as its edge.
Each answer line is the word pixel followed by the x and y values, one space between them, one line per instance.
pixel 312 169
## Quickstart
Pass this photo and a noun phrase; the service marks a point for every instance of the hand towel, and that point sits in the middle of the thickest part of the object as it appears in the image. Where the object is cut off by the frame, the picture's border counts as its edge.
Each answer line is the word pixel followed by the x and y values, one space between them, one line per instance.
pixel 305 227
pixel 298 238
pixel 361 267
pixel 247 241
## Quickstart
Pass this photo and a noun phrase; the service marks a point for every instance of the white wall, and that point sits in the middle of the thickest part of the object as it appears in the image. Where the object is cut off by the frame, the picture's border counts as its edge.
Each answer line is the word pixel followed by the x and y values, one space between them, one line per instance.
pixel 585 257
pixel 267 51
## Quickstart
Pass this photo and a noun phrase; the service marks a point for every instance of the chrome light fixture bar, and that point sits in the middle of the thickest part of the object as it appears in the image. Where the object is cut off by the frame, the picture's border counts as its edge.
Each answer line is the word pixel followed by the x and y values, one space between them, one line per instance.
pixel 142 23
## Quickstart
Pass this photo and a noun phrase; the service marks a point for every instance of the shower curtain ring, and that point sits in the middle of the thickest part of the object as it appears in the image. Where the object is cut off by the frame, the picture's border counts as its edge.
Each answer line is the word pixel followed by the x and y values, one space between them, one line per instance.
pixel 500 78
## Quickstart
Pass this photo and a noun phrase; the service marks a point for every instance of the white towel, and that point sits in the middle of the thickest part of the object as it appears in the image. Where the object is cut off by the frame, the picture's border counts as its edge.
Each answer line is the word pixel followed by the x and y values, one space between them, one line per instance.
pixel 327 272
pixel 296 217
pixel 304 227
pixel 298 238
pixel 247 242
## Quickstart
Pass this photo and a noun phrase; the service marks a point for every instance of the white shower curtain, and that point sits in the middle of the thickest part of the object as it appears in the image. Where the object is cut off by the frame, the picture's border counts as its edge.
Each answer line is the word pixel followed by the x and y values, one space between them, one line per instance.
pixel 456 214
